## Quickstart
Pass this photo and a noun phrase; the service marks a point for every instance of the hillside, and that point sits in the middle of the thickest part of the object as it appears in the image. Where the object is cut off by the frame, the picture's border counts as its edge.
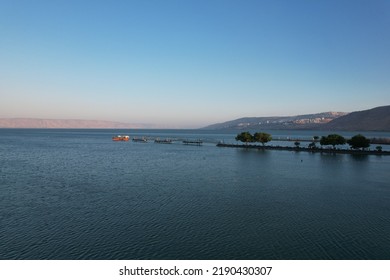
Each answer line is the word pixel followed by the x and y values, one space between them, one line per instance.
pixel 376 119
pixel 288 122
pixel 54 123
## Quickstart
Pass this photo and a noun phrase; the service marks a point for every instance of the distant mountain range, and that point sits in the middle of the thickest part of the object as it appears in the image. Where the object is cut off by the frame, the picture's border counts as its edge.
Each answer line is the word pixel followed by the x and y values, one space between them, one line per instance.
pixel 286 122
pixel 376 119
pixel 53 123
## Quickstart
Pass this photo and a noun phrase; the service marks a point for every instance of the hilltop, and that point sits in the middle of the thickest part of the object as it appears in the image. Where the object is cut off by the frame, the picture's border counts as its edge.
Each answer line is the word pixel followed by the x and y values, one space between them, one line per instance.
pixel 376 119
pixel 309 121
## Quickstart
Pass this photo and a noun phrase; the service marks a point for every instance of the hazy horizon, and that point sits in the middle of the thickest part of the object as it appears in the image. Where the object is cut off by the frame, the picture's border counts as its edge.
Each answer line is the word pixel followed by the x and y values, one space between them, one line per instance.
pixel 188 64
pixel 150 125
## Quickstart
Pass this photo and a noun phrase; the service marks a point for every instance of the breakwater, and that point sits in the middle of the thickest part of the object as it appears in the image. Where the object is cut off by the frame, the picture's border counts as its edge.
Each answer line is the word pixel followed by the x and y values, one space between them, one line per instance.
pixel 304 149
pixel 377 141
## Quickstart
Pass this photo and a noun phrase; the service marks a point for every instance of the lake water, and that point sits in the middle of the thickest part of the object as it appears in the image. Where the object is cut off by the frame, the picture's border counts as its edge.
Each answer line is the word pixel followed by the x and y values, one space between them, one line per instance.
pixel 75 194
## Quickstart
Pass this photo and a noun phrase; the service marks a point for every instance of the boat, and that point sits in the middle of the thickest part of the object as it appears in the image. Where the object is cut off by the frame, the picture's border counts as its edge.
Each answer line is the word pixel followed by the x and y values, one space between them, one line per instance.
pixel 163 141
pixel 143 139
pixel 121 138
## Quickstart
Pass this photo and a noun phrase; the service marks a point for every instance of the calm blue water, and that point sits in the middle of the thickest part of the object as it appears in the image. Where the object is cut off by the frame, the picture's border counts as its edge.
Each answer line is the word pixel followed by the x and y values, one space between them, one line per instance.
pixel 75 194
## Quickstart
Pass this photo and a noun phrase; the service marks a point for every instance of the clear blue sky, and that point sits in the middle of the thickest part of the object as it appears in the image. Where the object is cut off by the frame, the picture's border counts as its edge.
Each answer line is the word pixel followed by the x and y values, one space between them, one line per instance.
pixel 192 63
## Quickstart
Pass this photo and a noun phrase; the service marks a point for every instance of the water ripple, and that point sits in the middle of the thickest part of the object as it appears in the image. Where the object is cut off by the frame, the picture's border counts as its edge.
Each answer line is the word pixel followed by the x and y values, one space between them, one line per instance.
pixel 84 197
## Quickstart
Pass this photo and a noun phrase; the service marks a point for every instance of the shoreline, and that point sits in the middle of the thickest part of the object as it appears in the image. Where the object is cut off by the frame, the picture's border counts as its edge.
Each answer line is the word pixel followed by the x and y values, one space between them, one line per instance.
pixel 373 141
pixel 304 149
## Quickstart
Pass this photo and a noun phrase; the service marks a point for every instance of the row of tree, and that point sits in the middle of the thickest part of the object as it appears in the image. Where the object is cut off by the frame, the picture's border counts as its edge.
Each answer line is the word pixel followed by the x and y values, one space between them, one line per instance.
pixel 356 142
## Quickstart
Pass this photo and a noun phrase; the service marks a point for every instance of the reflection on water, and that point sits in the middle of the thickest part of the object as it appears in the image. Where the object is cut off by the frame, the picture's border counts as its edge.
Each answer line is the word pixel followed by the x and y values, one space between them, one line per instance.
pixel 360 157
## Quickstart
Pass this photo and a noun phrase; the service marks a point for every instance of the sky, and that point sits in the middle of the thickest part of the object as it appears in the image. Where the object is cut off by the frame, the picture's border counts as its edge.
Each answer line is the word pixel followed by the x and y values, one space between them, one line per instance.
pixel 187 64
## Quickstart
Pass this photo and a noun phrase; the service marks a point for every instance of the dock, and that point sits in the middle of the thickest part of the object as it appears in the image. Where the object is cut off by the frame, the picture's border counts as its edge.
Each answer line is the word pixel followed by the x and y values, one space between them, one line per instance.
pixel 163 141
pixel 158 140
pixel 194 142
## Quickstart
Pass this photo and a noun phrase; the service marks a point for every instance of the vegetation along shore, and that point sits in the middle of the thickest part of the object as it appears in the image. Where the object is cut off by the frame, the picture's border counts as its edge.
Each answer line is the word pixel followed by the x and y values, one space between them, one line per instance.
pixel 359 144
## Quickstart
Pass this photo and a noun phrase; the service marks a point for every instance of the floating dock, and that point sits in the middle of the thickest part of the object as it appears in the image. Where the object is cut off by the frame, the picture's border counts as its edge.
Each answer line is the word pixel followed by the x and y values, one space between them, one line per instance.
pixel 193 142
pixel 163 141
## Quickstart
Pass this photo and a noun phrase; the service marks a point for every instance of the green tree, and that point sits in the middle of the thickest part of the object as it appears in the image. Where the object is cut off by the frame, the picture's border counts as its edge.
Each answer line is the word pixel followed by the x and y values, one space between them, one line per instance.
pixel 262 137
pixel 324 141
pixel 312 145
pixel 297 143
pixel 378 148
pixel 315 138
pixel 332 139
pixel 359 141
pixel 245 137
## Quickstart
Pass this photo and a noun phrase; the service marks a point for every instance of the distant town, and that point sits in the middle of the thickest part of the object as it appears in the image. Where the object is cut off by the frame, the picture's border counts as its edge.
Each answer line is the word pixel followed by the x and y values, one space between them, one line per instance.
pixel 376 119
pixel 302 121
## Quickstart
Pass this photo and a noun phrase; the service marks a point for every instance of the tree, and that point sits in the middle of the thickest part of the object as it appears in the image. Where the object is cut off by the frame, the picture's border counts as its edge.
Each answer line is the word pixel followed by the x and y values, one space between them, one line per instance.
pixel 312 145
pixel 378 148
pixel 244 137
pixel 324 141
pixel 332 139
pixel 315 138
pixel 297 143
pixel 359 141
pixel 262 137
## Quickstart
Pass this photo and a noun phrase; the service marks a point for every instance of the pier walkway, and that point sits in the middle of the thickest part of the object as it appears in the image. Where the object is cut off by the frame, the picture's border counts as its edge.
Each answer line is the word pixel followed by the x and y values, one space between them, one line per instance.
pixel 303 149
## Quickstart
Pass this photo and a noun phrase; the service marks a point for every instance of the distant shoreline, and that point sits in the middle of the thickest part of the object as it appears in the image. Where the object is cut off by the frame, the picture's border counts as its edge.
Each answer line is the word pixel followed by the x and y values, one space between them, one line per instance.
pixel 303 149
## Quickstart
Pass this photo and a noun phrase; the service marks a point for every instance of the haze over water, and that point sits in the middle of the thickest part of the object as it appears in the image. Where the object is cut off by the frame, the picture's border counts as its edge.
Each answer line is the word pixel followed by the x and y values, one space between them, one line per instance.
pixel 75 194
